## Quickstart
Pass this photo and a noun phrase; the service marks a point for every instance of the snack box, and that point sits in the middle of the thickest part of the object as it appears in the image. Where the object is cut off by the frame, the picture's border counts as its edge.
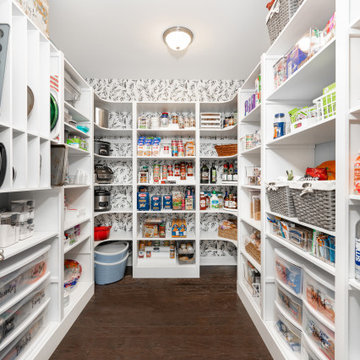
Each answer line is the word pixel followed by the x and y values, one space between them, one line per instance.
pixel 155 202
pixel 319 292
pixel 167 202
pixel 143 201
pixel 288 270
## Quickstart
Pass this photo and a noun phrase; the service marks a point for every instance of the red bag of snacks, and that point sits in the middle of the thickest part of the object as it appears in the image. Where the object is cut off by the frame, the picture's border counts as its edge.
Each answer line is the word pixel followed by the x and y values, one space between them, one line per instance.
pixel 321 173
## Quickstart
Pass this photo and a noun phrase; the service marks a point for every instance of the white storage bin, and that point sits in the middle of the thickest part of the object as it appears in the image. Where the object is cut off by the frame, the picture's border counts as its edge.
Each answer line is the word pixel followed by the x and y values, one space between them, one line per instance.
pixel 12 318
pixel 319 334
pixel 288 270
pixel 287 330
pixel 19 272
pixel 290 303
pixel 319 292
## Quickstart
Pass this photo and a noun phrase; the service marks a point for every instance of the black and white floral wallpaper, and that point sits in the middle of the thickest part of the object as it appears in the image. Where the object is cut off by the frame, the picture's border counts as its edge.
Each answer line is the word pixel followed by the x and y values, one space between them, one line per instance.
pixel 123 90
pixel 165 90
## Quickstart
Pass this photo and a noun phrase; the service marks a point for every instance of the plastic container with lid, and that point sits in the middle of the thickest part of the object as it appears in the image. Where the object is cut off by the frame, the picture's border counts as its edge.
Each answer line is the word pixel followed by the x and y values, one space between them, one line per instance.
pixel 288 332
pixel 279 125
pixel 291 304
pixel 111 251
pixel 16 274
pixel 288 270
pixel 319 293
pixel 320 335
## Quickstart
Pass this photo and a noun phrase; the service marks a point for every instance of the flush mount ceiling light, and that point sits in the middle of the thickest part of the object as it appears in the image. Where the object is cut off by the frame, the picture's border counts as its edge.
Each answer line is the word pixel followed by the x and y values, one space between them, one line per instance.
pixel 178 38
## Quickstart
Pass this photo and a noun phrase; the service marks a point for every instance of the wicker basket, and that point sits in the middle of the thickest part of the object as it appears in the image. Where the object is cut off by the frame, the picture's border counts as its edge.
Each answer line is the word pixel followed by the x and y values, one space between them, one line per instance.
pixel 281 199
pixel 230 234
pixel 226 150
pixel 315 203
pixel 253 252
pixel 280 14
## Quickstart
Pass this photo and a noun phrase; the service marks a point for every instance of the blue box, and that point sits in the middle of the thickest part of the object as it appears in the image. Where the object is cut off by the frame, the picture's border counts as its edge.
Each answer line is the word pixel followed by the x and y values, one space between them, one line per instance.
pixel 143 201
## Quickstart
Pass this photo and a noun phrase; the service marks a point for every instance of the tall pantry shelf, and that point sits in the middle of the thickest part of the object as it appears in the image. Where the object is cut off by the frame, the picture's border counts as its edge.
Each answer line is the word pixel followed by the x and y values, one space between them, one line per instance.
pixel 35 69
pixel 294 150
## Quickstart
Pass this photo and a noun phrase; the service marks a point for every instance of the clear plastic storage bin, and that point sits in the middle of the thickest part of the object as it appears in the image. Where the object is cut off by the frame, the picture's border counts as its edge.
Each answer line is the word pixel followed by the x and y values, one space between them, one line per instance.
pixel 288 270
pixel 17 348
pixel 12 318
pixel 16 274
pixel 288 332
pixel 320 334
pixel 291 304
pixel 319 293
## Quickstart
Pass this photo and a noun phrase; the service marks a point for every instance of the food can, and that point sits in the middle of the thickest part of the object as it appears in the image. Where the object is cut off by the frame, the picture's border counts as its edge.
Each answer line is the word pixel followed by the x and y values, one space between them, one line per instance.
pixel 172 253
pixel 148 254
pixel 156 173
pixel 141 254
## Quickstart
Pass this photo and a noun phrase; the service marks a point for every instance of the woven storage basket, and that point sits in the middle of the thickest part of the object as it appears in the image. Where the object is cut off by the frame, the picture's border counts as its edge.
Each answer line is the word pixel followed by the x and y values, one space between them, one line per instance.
pixel 226 150
pixel 281 199
pixel 280 14
pixel 230 234
pixel 315 203
pixel 253 252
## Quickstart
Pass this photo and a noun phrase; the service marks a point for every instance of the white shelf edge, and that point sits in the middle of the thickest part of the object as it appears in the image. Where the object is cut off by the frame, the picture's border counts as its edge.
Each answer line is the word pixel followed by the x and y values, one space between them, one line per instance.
pixel 296 221
pixel 297 133
pixel 272 96
pixel 76 130
pixel 70 224
pixel 15 299
pixel 78 113
pixel 125 211
pixel 255 150
pixel 252 114
pixel 37 238
pixel 256 224
pixel 307 256
pixel 76 243
pixel 250 259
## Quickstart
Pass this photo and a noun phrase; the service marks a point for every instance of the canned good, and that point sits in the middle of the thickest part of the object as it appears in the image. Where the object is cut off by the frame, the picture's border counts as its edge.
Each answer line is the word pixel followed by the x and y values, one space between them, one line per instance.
pixel 141 254
pixel 148 254
pixel 172 253
pixel 156 173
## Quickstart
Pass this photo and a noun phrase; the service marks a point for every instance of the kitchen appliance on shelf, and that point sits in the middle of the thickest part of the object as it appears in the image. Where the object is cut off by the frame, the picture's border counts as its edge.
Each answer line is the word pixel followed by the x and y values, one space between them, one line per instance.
pixel 103 174
pixel 102 200
pixel 101 147
pixel 101 117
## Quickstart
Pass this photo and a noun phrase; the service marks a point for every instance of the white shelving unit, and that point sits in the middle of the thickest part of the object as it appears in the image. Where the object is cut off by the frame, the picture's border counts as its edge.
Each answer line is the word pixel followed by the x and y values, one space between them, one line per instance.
pixel 31 60
pixel 298 150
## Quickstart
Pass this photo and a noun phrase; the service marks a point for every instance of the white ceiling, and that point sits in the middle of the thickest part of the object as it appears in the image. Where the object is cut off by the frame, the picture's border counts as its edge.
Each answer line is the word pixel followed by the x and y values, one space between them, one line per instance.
pixel 123 38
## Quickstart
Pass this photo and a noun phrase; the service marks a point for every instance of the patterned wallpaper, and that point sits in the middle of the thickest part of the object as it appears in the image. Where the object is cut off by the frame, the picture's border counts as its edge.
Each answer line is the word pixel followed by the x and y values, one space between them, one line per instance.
pixel 161 90
pixel 165 90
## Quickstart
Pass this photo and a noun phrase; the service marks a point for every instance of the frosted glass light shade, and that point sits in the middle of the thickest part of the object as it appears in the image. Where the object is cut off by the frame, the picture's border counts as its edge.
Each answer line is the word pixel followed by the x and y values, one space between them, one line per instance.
pixel 178 38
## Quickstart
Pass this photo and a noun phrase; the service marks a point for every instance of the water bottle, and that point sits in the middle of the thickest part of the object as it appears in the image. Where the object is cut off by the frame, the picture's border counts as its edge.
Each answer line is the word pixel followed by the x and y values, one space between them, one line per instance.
pixel 357 251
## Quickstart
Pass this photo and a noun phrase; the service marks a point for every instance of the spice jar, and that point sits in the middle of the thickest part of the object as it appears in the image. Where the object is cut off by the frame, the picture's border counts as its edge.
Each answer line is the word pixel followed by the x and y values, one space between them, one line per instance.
pixel 164 120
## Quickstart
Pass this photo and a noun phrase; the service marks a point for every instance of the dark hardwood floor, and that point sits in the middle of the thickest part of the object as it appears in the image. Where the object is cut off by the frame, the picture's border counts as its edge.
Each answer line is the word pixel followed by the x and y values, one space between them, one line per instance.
pixel 145 319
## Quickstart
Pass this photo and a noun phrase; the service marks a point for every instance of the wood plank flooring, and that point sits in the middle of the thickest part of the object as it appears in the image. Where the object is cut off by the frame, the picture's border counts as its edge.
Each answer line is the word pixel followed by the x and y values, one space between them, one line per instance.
pixel 170 319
